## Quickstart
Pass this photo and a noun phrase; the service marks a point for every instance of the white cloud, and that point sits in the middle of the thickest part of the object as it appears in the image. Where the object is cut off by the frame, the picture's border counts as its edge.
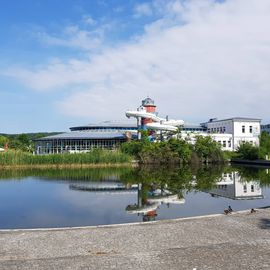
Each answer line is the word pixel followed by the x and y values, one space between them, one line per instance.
pixel 202 59
pixel 87 19
pixel 144 9
pixel 73 36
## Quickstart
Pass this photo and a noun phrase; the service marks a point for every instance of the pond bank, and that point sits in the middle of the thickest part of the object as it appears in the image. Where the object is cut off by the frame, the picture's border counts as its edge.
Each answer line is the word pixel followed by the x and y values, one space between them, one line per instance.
pixel 237 241
pixel 69 166
pixel 251 162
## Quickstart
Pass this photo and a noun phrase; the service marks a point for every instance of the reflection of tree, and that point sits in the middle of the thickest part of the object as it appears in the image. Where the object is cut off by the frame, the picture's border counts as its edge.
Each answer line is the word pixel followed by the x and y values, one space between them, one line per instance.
pixel 253 173
pixel 81 174
pixel 168 185
pixel 176 179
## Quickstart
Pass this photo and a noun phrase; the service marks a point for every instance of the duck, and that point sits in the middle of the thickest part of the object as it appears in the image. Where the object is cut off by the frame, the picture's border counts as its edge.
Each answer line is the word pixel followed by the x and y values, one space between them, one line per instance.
pixel 228 211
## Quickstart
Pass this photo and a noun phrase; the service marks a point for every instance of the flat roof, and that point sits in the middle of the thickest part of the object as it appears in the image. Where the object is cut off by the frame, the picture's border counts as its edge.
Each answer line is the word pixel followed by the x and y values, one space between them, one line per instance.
pixel 240 119
pixel 187 125
pixel 76 135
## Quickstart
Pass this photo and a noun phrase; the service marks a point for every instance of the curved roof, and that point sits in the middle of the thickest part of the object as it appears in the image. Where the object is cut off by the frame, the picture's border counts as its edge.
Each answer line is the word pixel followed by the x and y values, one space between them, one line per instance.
pixel 108 124
pixel 77 135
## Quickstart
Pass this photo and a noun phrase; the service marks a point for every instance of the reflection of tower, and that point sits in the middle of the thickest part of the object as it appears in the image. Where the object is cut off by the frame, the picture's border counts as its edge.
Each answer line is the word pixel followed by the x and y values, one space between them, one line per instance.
pixel 150 107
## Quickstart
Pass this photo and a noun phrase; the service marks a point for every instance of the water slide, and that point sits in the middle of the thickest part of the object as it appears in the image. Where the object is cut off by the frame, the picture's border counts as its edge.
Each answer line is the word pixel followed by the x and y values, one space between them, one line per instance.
pixel 143 114
pixel 158 126
pixel 158 123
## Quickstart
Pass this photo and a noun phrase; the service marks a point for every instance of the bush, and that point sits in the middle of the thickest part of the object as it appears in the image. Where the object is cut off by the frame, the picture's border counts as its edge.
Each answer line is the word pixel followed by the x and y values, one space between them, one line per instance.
pixel 248 151
pixel 208 150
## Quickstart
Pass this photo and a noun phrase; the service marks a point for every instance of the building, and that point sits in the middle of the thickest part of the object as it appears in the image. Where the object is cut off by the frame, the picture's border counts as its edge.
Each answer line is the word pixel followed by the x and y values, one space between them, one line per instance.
pixel 231 132
pixel 265 128
pixel 105 135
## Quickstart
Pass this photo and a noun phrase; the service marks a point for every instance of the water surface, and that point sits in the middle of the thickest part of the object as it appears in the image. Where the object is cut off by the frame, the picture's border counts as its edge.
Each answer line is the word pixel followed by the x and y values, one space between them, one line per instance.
pixel 63 198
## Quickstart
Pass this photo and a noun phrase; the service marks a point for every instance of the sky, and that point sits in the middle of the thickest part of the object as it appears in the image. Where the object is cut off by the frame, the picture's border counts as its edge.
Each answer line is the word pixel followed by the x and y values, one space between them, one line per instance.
pixel 74 62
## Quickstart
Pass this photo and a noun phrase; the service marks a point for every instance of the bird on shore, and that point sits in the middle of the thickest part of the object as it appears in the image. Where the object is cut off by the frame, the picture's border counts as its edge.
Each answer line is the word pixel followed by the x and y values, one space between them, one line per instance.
pixel 253 211
pixel 228 211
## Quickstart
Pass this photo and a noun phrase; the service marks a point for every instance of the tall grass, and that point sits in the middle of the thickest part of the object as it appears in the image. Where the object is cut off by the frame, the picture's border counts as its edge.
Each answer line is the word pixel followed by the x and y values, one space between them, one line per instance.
pixel 94 157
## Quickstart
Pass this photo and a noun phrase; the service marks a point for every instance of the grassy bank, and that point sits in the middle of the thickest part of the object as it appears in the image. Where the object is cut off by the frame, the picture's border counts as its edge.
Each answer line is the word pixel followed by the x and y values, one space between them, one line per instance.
pixel 95 157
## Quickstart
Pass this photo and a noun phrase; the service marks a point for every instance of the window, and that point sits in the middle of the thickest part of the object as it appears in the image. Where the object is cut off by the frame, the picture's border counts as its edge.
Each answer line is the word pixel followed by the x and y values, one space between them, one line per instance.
pixel 219 142
pixel 245 188
pixel 224 129
pixel 243 129
pixel 229 144
pixel 224 143
pixel 252 188
pixel 250 129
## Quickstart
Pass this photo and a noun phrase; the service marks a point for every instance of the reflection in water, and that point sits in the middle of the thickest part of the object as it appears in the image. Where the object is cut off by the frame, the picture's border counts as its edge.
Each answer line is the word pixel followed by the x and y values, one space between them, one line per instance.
pixel 150 197
pixel 77 197
pixel 232 186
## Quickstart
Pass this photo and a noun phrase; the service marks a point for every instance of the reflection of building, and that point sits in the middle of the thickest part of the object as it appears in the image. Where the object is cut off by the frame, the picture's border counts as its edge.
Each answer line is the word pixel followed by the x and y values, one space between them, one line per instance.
pixel 108 187
pixel 232 186
pixel 149 201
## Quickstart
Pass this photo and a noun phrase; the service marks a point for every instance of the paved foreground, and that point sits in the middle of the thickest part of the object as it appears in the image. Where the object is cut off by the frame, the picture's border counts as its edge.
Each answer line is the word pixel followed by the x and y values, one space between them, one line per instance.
pixel 237 241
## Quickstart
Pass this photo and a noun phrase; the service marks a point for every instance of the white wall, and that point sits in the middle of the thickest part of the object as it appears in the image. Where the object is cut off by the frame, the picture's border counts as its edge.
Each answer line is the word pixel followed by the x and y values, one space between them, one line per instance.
pixel 235 128
pixel 251 136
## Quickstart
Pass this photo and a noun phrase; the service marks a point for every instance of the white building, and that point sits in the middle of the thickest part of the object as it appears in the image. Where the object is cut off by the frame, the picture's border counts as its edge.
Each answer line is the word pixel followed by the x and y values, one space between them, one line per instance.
pixel 231 132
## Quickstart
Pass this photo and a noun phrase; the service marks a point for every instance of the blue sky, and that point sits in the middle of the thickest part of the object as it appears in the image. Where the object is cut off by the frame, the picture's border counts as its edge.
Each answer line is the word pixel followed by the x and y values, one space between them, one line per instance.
pixel 68 62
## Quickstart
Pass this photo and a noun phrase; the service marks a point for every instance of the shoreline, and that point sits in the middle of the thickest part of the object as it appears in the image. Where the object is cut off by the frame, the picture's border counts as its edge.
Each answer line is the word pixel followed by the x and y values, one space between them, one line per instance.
pixel 209 242
pixel 247 211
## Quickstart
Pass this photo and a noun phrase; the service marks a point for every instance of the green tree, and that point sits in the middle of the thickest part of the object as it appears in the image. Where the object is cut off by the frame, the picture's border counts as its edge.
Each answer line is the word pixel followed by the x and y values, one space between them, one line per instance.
pixel 248 151
pixel 264 144
pixel 208 150
pixel 3 141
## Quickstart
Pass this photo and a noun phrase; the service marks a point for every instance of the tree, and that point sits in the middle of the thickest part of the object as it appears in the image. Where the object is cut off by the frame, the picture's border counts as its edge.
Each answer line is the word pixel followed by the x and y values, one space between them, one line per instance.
pixel 3 141
pixel 248 151
pixel 207 149
pixel 264 144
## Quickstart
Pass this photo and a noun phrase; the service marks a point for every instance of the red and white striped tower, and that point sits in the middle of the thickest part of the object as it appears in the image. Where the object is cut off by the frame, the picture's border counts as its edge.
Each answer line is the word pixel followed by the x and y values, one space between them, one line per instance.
pixel 150 107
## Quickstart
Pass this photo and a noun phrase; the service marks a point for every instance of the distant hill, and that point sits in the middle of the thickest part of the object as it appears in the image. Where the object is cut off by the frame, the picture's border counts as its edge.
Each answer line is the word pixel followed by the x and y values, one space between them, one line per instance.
pixel 31 136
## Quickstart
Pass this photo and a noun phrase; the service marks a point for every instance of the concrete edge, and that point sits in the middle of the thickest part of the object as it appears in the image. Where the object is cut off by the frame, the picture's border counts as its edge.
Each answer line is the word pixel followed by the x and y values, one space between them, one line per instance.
pixel 129 224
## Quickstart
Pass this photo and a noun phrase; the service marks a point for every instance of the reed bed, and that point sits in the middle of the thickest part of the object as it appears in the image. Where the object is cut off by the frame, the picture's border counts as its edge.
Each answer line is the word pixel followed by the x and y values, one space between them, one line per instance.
pixel 15 158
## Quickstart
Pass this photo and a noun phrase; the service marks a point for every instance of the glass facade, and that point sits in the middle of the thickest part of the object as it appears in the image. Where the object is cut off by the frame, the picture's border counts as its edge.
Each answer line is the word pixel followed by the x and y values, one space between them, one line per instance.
pixel 57 146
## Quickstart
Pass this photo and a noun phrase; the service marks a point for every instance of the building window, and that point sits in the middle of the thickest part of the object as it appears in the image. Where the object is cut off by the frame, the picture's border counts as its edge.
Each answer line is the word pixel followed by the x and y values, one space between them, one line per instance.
pixel 243 129
pixel 252 188
pixel 219 142
pixel 224 129
pixel 245 188
pixel 224 143
pixel 250 129
pixel 229 144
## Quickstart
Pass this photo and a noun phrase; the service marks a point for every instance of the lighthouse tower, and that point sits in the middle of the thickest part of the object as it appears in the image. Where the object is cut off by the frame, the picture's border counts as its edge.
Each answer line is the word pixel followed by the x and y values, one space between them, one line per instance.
pixel 149 105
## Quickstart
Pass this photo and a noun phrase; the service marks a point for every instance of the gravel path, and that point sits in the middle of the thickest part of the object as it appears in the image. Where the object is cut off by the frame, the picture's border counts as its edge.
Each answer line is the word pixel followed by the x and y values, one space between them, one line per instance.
pixel 236 241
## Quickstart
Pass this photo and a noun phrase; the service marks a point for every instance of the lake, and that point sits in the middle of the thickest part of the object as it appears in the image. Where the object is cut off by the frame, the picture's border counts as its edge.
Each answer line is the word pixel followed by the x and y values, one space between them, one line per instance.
pixel 82 197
